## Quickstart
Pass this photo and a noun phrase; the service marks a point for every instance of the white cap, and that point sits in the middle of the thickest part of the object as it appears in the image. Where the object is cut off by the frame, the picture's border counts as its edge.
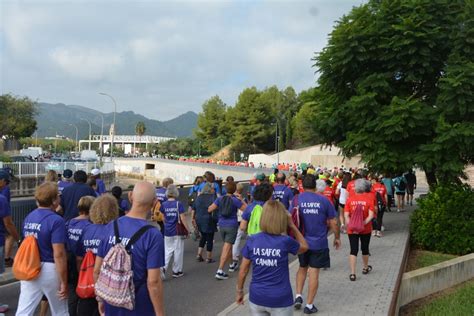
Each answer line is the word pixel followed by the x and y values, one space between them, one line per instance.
pixel 95 171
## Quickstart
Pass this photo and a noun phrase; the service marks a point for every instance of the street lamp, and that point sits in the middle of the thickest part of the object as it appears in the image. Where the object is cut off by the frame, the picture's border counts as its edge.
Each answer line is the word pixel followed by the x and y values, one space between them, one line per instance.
pixel 113 129
pixel 101 136
pixel 199 150
pixel 90 131
pixel 277 145
pixel 77 135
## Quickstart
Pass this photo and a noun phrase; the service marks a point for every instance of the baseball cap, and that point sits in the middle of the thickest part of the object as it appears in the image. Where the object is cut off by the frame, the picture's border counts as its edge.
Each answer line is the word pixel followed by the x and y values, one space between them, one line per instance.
pixel 67 173
pixel 260 177
pixel 4 175
pixel 95 172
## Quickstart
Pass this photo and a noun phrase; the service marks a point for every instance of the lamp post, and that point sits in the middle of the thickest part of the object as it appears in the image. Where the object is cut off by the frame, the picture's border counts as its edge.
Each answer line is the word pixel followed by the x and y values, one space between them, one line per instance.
pixel 113 129
pixel 277 145
pixel 101 136
pixel 90 131
pixel 77 135
pixel 199 150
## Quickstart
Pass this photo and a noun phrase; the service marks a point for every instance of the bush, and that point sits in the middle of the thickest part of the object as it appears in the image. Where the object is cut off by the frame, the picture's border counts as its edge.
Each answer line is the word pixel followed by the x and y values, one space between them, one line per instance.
pixel 444 220
pixel 4 158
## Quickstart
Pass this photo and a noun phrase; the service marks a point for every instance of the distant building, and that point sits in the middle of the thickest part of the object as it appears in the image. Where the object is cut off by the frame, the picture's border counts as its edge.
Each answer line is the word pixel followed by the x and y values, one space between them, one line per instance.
pixel 127 142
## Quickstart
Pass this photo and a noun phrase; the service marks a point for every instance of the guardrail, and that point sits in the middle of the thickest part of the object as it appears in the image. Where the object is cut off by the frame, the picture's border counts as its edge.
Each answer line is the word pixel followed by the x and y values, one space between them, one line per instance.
pixel 34 169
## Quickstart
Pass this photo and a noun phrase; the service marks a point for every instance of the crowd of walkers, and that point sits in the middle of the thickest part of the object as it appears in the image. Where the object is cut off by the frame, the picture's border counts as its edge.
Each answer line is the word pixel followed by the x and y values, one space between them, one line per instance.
pixel 88 252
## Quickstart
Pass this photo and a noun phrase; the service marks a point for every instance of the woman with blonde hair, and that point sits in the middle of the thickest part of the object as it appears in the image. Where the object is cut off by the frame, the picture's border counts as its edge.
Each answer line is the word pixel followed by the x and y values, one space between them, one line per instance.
pixel 267 252
pixel 103 210
pixel 51 176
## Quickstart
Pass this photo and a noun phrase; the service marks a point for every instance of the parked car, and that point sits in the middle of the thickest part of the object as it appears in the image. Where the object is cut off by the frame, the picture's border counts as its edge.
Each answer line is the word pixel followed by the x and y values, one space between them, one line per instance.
pixel 21 159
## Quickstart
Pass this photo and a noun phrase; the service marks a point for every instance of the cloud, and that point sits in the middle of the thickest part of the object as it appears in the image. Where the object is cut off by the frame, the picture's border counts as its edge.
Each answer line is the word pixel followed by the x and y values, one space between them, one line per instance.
pixel 84 63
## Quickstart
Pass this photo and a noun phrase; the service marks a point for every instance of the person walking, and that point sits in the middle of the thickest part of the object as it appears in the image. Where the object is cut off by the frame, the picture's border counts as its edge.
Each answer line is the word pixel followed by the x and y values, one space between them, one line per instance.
pixel 65 181
pixel 206 223
pixel 317 216
pixel 102 211
pixel 390 187
pixel 49 230
pixel 147 254
pixel 123 204
pixel 281 192
pixel 411 186
pixel 380 192
pixel 227 205
pixel 100 185
pixel 360 201
pixel 72 194
pixel 343 194
pixel 267 252
pixel 400 190
pixel 173 212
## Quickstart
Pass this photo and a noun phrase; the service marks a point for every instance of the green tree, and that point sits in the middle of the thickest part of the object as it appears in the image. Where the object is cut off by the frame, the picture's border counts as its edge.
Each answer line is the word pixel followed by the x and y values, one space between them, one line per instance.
pixel 211 124
pixel 303 123
pixel 18 116
pixel 396 83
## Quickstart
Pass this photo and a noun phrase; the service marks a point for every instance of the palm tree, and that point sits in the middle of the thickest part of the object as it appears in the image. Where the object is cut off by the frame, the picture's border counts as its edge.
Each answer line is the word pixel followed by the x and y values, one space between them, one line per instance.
pixel 140 129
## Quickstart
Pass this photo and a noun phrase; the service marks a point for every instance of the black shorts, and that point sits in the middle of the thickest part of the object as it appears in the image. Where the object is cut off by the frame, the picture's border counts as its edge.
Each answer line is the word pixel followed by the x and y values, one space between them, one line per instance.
pixel 410 189
pixel 315 259
pixel 400 193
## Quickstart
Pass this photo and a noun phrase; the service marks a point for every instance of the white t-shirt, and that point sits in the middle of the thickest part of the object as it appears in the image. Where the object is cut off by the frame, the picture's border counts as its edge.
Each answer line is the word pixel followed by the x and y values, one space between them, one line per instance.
pixel 343 194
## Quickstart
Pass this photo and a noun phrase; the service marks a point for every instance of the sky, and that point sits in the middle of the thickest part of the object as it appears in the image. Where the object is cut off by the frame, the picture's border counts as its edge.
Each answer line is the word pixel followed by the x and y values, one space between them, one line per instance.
pixel 160 58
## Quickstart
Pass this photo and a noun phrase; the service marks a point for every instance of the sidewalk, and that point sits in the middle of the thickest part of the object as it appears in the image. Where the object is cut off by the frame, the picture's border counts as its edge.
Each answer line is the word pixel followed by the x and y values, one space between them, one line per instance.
pixel 371 294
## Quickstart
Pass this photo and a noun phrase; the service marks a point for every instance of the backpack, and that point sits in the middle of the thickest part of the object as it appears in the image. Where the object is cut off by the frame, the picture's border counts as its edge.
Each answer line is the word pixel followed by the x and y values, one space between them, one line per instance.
pixel 27 263
pixel 85 283
pixel 296 218
pixel 115 283
pixel 356 223
pixel 401 184
pixel 226 206
pixel 254 222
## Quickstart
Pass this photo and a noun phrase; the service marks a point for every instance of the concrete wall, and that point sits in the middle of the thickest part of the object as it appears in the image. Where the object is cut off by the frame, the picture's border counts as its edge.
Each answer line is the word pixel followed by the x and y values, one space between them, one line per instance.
pixel 423 282
pixel 180 172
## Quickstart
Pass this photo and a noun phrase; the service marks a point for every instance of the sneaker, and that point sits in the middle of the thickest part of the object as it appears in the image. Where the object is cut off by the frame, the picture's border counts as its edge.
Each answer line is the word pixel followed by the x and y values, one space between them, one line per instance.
pixel 398 210
pixel 383 228
pixel 379 234
pixel 8 262
pixel 222 276
pixel 210 260
pixel 199 258
pixel 233 266
pixel 178 274
pixel 374 233
pixel 298 302
pixel 311 310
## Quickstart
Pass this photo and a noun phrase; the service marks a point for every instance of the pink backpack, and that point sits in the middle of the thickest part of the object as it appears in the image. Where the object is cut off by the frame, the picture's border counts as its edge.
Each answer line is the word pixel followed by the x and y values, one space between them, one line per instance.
pixel 356 222
pixel 115 283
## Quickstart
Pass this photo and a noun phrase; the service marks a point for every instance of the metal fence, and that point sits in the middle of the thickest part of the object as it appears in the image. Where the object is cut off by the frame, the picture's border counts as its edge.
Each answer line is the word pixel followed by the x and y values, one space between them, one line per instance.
pixel 34 169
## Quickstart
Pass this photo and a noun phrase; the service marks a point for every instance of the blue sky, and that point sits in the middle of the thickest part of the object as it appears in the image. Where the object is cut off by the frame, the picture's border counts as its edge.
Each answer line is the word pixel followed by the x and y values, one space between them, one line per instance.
pixel 159 58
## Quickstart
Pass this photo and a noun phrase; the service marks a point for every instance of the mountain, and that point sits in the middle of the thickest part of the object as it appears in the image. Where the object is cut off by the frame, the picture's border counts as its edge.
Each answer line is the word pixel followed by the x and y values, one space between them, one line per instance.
pixel 56 119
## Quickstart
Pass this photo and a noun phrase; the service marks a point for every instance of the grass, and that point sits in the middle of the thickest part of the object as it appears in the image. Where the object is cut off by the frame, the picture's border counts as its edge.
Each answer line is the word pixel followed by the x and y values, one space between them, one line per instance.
pixel 456 301
pixel 422 258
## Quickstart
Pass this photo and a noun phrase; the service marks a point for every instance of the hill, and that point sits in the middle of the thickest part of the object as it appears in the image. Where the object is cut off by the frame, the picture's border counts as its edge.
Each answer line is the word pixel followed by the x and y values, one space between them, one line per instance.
pixel 56 119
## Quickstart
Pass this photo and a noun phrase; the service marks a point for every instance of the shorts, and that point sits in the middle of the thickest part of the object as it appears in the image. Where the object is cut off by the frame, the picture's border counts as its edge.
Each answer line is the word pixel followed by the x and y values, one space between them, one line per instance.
pixel 229 234
pixel 400 193
pixel 410 189
pixel 315 259
pixel 257 310
pixel 2 259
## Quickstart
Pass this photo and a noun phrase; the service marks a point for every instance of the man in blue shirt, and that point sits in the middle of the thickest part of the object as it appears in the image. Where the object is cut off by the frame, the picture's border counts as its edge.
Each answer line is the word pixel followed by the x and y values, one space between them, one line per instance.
pixel 281 192
pixel 73 193
pixel 317 214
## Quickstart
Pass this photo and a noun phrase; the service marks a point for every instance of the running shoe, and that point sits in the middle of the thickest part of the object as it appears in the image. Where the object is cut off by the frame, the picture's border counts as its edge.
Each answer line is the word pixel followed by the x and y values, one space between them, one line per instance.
pixel 311 310
pixel 222 276
pixel 298 302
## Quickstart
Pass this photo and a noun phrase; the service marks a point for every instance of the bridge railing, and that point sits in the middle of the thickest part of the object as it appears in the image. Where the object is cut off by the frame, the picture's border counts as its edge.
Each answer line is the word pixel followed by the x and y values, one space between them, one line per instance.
pixel 34 169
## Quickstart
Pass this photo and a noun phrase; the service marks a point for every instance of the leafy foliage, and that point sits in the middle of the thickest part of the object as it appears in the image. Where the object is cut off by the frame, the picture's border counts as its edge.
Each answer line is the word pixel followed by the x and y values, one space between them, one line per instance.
pixel 396 86
pixel 178 147
pixel 444 220
pixel 140 128
pixel 211 124
pixel 18 116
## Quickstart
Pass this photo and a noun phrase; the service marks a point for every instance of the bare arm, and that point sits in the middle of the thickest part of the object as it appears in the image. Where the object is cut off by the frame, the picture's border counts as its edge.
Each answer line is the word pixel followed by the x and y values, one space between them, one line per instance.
pixel 244 270
pixel 337 235
pixel 298 235
pixel 155 289
pixel 60 262
pixel 369 218
pixel 98 264
pixel 243 225
pixel 10 227
pixel 346 217
pixel 182 218
pixel 79 262
pixel 243 207
pixel 212 208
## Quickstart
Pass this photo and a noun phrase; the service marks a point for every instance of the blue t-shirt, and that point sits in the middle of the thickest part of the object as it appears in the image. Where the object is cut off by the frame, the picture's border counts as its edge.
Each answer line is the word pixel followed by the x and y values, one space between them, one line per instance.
pixel 230 221
pixel 283 194
pixel 90 239
pixel 71 196
pixel 6 193
pixel 48 228
pixel 315 210
pixel 74 229
pixel 147 253
pixel 171 210
pixel 388 183
pixel 270 285
pixel 63 184
pixel 161 194
pixel 248 210
pixel 124 205
pixel 4 212
pixel 214 184
pixel 100 189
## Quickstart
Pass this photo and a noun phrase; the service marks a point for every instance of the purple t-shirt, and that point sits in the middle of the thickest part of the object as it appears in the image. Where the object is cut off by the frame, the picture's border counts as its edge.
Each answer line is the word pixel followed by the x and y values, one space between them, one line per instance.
pixel 248 210
pixel 161 194
pixel 74 229
pixel 100 187
pixel 4 212
pixel 315 210
pixel 147 253
pixel 63 184
pixel 230 221
pixel 90 239
pixel 171 210
pixel 283 194
pixel 48 228
pixel 270 285
pixel 6 193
